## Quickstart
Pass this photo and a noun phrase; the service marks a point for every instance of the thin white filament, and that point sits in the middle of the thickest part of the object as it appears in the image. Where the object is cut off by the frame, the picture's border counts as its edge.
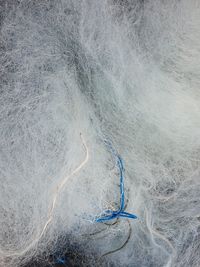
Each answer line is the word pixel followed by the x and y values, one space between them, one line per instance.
pixel 55 197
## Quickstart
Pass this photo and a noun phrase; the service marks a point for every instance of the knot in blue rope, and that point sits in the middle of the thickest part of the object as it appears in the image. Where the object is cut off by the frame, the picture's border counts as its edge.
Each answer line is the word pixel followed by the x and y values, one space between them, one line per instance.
pixel 111 214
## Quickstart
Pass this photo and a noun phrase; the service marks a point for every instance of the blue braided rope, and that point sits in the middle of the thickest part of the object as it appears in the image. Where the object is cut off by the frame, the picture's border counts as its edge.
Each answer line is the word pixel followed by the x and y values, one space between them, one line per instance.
pixel 110 214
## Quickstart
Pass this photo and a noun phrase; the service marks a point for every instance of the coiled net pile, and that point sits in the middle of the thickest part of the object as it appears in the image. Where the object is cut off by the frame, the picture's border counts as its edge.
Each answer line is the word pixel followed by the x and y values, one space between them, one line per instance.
pixel 128 70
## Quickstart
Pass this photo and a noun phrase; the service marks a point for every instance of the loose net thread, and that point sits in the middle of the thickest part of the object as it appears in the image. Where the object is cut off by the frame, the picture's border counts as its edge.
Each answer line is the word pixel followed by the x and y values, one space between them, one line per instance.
pixel 55 197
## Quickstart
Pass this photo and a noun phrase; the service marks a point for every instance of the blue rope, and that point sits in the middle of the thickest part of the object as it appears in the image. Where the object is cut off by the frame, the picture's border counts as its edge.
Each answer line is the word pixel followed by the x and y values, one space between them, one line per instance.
pixel 60 261
pixel 59 258
pixel 110 214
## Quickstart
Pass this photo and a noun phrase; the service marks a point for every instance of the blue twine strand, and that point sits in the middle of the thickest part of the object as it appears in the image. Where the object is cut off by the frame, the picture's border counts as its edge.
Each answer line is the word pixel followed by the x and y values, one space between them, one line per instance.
pixel 111 214
pixel 60 260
